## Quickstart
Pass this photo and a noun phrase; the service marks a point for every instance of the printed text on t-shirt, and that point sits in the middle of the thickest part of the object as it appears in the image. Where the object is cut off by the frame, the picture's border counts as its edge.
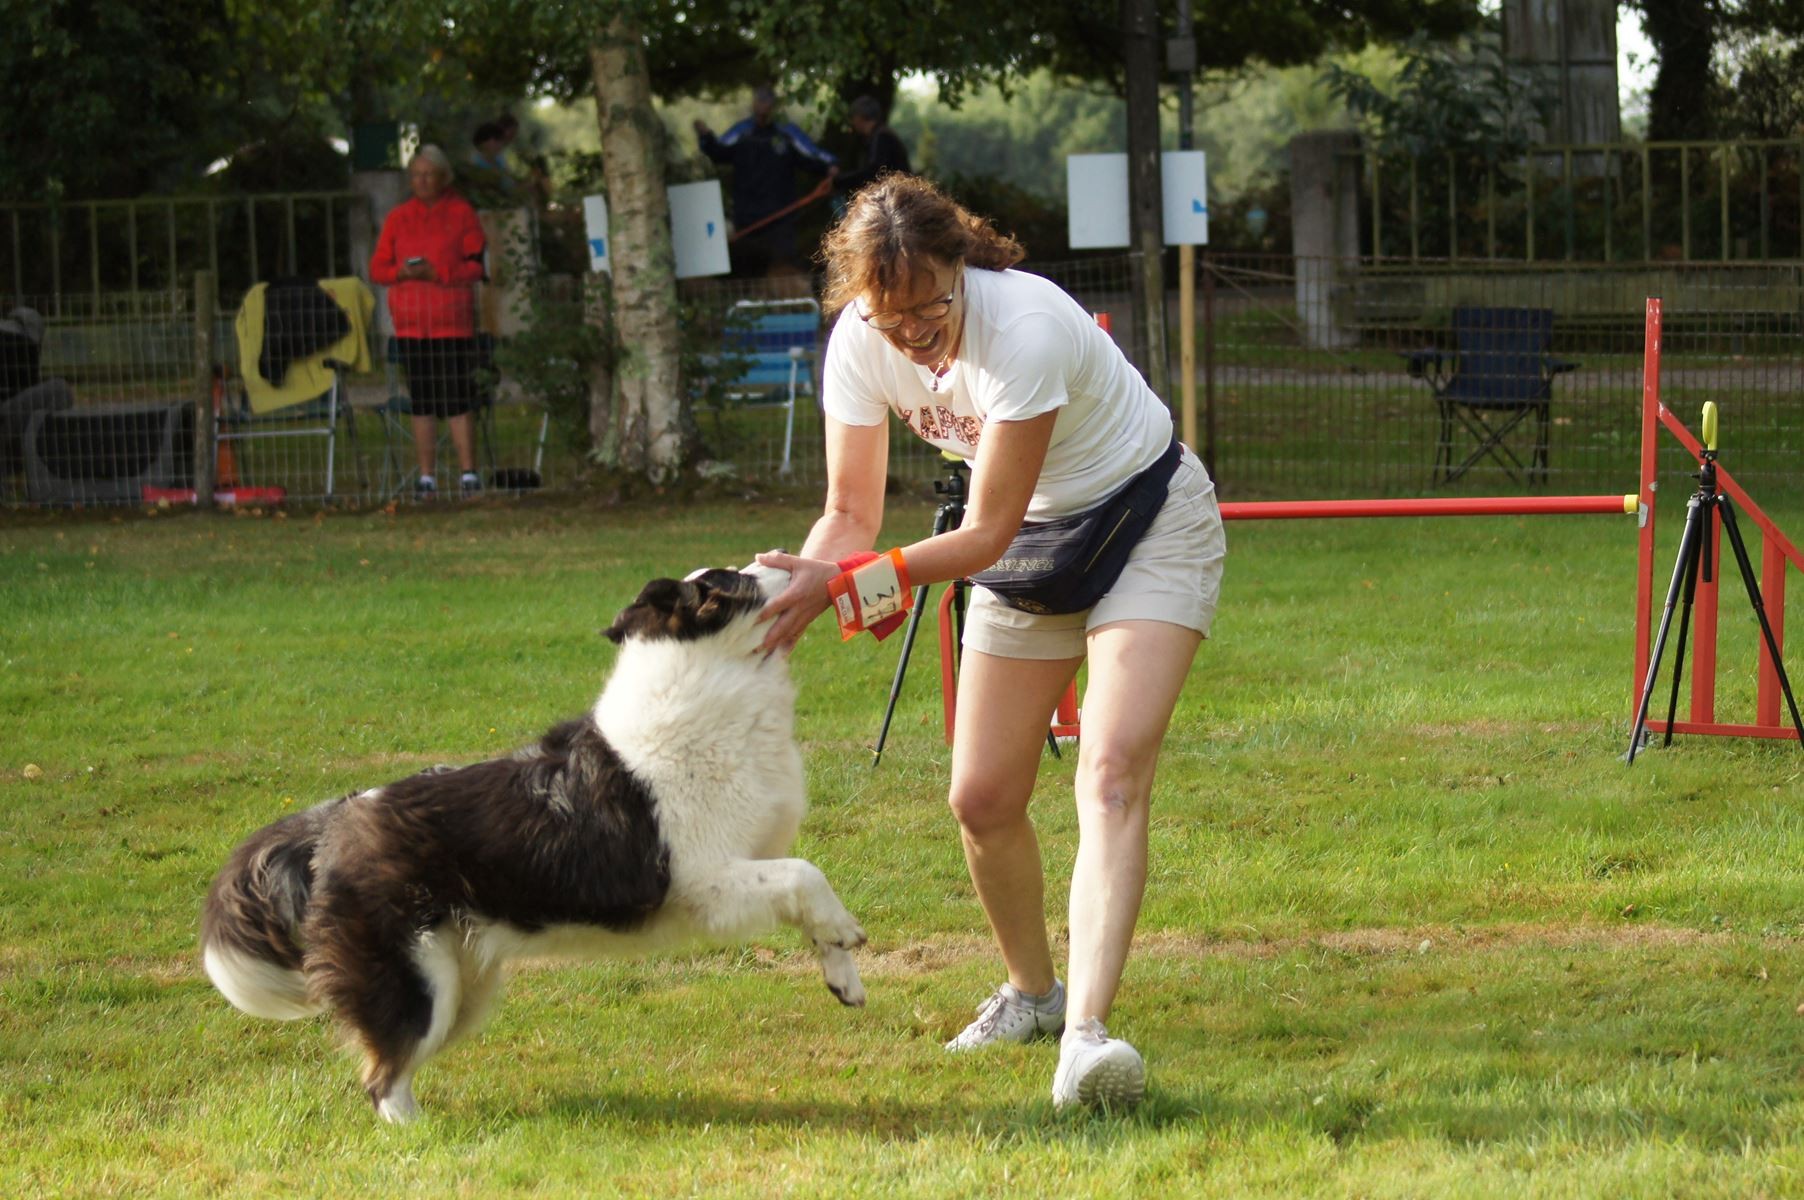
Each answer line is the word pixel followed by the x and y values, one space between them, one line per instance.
pixel 937 423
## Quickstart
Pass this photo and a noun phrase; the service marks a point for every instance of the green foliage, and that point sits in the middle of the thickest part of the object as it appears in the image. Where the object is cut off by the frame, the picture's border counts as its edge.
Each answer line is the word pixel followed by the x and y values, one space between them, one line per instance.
pixel 1459 98
pixel 100 98
pixel 1762 88
pixel 1083 40
pixel 554 357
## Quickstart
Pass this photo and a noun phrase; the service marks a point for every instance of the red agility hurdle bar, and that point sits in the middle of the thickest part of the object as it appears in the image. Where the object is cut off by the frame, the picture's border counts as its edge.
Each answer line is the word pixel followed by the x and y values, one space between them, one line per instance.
pixel 1067 722
pixel 1776 552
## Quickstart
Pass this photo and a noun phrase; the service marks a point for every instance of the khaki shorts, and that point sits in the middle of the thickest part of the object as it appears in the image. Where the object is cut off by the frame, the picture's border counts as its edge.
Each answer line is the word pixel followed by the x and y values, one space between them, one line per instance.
pixel 1173 575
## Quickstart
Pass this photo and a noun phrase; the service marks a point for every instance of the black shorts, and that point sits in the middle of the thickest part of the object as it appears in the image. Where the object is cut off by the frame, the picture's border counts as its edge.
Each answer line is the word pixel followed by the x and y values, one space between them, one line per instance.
pixel 441 374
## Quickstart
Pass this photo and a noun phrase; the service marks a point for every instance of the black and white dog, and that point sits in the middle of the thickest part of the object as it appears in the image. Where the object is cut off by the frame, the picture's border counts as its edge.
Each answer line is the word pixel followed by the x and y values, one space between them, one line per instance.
pixel 660 817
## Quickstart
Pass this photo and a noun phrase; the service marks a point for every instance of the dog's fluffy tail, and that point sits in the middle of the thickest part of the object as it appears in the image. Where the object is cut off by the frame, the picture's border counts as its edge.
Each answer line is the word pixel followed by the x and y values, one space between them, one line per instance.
pixel 250 924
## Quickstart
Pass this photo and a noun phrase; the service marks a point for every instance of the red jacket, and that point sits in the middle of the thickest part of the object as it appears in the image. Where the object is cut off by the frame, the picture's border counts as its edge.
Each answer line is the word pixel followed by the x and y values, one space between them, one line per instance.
pixel 446 234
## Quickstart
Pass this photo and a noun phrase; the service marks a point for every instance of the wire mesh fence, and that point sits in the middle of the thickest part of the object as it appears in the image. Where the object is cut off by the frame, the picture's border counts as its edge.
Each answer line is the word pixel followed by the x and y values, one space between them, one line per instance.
pixel 299 395
pixel 1347 379
pixel 1314 378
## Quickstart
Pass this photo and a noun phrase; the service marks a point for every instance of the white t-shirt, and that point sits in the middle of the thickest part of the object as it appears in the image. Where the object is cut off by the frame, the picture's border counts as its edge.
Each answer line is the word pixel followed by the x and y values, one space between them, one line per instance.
pixel 1028 349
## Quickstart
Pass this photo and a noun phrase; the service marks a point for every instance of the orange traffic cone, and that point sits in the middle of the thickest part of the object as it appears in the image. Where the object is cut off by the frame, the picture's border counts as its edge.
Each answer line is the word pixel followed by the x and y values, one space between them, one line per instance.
pixel 225 464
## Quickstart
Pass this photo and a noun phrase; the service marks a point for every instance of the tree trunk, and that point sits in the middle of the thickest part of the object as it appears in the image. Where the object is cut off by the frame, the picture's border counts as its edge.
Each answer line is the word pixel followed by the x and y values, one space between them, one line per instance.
pixel 1684 34
pixel 1146 201
pixel 647 382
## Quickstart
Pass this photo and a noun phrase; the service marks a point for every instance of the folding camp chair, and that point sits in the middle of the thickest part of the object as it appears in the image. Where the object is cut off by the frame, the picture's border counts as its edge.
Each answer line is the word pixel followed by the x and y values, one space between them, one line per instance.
pixel 318 327
pixel 778 342
pixel 320 417
pixel 1499 375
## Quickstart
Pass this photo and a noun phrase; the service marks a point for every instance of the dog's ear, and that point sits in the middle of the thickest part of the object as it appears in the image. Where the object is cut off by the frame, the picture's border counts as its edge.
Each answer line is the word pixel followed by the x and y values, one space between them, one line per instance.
pixel 658 601
pixel 666 595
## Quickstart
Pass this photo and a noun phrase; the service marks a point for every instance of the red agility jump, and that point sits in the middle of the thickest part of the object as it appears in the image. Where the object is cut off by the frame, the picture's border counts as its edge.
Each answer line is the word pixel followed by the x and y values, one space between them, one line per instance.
pixel 1066 721
pixel 1777 551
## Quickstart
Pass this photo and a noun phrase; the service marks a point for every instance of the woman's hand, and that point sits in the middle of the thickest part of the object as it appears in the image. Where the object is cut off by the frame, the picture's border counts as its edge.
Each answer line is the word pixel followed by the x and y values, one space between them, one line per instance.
pixel 790 611
pixel 421 270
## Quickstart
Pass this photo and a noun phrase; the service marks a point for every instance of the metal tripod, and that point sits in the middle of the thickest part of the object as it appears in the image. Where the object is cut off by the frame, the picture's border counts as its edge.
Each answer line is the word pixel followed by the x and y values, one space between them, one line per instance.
pixel 1694 556
pixel 950 514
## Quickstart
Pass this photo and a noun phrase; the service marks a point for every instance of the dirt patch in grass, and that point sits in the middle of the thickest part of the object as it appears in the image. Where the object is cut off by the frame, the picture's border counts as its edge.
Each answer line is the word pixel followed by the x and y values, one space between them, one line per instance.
pixel 928 955
pixel 948 950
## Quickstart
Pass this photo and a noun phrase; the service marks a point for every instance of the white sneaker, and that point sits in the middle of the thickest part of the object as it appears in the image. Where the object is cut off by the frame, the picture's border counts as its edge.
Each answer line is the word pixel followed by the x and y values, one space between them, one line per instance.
pixel 1009 1015
pixel 1097 1070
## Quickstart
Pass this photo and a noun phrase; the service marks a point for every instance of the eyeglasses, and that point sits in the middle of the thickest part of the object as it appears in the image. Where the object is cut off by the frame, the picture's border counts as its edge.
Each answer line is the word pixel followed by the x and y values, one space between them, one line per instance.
pixel 933 310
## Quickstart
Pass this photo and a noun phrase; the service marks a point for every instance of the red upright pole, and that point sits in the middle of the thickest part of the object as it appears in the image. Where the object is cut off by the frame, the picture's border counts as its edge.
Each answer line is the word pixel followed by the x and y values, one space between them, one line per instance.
pixel 1772 590
pixel 1650 455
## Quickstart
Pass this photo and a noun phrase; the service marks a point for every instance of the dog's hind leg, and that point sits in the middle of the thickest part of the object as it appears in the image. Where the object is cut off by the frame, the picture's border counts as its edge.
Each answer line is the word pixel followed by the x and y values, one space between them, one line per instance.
pixel 748 897
pixel 479 986
pixel 399 996
pixel 436 956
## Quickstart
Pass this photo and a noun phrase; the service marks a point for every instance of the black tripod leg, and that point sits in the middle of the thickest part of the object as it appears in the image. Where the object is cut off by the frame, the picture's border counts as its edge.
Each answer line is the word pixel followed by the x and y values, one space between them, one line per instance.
pixel 1700 556
pixel 1688 546
pixel 1766 629
pixel 895 686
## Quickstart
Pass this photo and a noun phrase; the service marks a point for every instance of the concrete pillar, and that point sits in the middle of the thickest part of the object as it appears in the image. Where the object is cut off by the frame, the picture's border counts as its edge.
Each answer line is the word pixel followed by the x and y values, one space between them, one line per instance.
pixel 1324 201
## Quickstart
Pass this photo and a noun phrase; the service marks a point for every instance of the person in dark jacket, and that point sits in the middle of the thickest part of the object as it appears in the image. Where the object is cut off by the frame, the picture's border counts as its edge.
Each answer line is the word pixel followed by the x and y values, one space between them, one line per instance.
pixel 883 150
pixel 765 154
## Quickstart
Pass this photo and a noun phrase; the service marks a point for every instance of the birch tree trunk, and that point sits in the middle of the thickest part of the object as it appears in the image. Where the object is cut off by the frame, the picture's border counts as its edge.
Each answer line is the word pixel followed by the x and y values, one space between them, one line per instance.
pixel 647 381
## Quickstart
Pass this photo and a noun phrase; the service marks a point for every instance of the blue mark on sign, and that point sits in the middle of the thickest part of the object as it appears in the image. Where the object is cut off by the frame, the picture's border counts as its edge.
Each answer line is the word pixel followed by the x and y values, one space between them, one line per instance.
pixel 598 247
pixel 1196 206
pixel 710 229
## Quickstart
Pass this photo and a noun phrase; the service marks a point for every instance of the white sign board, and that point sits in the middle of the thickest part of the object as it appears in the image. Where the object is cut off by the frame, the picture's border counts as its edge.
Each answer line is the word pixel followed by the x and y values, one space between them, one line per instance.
pixel 698 229
pixel 1097 187
pixel 1185 181
pixel 1097 190
pixel 595 220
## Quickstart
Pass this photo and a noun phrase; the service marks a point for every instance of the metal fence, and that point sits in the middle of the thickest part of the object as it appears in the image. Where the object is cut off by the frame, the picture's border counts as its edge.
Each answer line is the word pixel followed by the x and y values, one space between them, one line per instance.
pixel 83 254
pixel 1308 388
pixel 1612 202
pixel 106 401
pixel 1304 385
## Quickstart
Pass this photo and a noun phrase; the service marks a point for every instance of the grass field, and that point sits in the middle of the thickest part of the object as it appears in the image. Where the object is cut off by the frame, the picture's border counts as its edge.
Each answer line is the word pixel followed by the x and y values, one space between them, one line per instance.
pixel 1412 929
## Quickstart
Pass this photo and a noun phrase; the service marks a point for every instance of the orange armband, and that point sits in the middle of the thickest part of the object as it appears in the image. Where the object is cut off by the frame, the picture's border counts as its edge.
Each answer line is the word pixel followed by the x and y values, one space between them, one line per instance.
pixel 872 594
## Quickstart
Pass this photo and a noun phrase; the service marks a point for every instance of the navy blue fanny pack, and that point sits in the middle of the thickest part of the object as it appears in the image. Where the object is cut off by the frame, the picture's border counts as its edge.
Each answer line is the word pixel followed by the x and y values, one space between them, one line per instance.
pixel 1068 564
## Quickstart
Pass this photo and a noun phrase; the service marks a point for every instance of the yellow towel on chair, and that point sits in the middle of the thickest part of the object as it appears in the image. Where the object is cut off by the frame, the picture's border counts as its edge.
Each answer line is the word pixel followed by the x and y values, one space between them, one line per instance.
pixel 310 376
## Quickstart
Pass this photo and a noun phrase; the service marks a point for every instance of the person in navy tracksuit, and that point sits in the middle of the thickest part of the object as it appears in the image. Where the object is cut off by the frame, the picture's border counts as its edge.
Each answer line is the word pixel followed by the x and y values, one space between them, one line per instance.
pixel 765 154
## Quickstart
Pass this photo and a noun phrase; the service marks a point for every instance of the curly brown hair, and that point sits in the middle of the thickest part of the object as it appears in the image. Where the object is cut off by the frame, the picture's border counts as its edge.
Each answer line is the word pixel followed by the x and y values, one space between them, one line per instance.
pixel 895 227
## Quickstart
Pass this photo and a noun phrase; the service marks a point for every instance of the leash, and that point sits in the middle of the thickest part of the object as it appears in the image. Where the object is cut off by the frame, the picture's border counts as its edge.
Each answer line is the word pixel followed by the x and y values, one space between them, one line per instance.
pixel 821 189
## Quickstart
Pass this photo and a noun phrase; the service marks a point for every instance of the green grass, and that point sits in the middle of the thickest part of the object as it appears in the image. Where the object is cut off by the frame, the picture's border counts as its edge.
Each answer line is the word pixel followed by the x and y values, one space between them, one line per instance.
pixel 1412 928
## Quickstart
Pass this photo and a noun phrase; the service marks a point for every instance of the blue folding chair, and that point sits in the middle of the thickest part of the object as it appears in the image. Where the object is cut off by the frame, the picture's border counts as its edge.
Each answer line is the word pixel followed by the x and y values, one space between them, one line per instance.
pixel 778 341
pixel 1499 374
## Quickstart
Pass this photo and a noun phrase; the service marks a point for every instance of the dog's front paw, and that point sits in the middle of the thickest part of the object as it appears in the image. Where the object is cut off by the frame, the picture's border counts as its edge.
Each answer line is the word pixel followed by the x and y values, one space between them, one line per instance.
pixel 842 931
pixel 842 975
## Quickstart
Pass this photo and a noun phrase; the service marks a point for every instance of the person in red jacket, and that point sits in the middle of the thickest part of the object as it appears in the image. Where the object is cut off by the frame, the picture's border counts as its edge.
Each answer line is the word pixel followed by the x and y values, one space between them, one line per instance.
pixel 429 256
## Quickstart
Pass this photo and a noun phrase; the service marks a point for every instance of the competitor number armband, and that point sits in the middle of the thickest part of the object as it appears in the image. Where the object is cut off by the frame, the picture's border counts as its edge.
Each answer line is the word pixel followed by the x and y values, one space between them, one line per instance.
pixel 870 592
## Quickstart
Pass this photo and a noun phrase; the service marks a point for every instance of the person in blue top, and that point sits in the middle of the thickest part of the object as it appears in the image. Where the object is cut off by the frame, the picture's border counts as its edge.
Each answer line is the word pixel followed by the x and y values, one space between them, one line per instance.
pixel 488 163
pixel 765 154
